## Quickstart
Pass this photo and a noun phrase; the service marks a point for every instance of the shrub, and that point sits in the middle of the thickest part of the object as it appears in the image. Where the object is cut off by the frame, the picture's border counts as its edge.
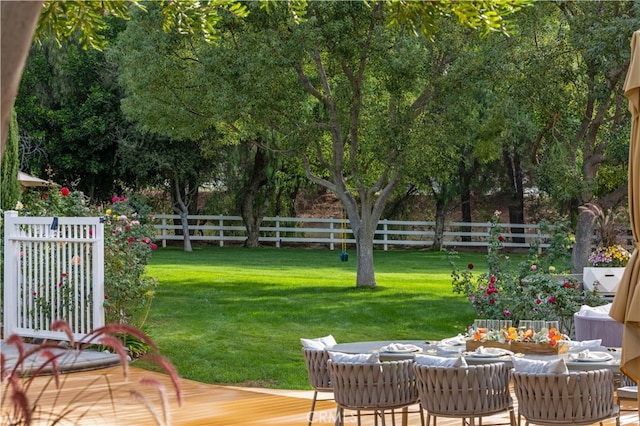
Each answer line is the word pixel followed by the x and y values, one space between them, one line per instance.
pixel 528 291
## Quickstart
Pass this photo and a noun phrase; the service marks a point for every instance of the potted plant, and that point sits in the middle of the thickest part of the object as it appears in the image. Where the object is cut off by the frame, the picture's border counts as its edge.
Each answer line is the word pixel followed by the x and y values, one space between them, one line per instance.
pixel 607 262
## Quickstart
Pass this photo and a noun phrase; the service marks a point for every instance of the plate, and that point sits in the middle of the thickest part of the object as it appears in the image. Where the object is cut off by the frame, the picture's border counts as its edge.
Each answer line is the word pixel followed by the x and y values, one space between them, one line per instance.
pixel 401 351
pixel 491 353
pixel 593 357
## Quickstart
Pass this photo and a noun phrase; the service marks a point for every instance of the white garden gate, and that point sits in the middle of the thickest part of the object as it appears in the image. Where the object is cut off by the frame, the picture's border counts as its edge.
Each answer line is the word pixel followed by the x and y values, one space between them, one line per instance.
pixel 53 269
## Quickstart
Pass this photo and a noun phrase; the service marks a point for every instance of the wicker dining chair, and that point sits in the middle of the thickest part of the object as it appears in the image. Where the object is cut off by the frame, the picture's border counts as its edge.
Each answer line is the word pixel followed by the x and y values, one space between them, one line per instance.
pixel 374 387
pixel 627 393
pixel 467 392
pixel 319 379
pixel 573 398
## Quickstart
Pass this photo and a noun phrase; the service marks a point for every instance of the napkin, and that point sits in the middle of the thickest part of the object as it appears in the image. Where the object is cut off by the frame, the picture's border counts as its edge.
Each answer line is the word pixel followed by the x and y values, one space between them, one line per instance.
pixel 583 354
pixel 585 343
pixel 400 347
pixel 454 341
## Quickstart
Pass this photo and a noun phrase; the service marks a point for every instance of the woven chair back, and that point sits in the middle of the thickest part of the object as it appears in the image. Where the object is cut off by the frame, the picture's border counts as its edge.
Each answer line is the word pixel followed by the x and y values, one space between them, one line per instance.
pixel 379 386
pixel 578 397
pixel 316 361
pixel 464 391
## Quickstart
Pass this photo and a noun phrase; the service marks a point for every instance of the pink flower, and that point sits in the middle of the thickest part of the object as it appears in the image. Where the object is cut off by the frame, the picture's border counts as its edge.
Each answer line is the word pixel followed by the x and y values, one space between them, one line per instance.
pixel 492 279
pixel 506 312
pixel 154 246
pixel 497 213
pixel 122 198
pixel 534 267
pixel 114 199
pixel 472 297
pixel 64 191
pixel 552 299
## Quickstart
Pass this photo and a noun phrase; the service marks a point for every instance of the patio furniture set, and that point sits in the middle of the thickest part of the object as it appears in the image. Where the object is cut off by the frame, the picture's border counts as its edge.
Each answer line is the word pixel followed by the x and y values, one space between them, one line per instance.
pixel 445 380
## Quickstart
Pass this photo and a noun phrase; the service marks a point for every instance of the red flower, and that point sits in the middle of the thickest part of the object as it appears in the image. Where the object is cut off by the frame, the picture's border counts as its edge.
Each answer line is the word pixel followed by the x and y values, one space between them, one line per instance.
pixel 501 238
pixel 44 196
pixel 538 301
pixel 154 246
pixel 131 240
pixel 64 191
pixel 106 297
pixel 114 199
pixel 64 274
pixel 470 266
pixel 492 279
pixel 567 284
pixel 492 302
pixel 552 299
pixel 122 198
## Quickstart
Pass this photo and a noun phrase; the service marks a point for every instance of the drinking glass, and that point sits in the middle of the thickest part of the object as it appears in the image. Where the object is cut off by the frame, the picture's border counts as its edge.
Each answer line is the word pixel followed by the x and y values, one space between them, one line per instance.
pixel 480 326
pixel 525 325
pixel 505 324
pixel 493 325
pixel 538 326
pixel 553 324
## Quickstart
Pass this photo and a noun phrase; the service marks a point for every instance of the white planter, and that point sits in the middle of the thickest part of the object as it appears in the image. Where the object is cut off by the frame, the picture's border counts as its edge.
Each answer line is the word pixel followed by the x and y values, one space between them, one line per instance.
pixel 607 279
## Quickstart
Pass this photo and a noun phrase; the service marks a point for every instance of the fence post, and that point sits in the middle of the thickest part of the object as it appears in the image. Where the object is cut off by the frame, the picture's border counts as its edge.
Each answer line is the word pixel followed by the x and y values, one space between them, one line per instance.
pixel 385 227
pixel 10 274
pixel 164 232
pixel 487 237
pixel 539 237
pixel 331 245
pixel 221 232
pixel 277 231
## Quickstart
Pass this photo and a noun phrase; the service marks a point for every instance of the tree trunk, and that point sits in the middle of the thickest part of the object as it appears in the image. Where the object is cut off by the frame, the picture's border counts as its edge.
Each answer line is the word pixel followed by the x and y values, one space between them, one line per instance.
pixel 513 168
pixel 582 246
pixel 181 209
pixel 252 208
pixel 465 203
pixel 19 20
pixel 365 273
pixel 438 239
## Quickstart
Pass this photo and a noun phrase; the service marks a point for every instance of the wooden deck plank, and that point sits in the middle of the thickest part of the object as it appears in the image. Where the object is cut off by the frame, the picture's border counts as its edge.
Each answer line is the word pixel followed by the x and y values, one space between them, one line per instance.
pixel 203 404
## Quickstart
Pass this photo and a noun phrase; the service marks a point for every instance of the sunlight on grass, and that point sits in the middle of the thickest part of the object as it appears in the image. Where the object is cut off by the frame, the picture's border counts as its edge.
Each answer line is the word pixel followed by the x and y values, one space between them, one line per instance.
pixel 235 315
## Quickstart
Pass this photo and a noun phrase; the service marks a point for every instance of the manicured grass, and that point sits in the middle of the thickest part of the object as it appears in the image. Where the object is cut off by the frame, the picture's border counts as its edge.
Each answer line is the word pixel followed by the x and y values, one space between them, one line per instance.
pixel 235 315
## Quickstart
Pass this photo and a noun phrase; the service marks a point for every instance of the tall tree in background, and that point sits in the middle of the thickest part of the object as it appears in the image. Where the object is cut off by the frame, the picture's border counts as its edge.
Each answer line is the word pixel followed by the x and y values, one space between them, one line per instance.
pixel 9 184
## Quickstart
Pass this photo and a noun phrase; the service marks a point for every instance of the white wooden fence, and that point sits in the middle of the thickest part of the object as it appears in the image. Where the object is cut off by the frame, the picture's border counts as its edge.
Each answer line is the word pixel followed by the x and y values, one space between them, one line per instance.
pixel 53 269
pixel 333 232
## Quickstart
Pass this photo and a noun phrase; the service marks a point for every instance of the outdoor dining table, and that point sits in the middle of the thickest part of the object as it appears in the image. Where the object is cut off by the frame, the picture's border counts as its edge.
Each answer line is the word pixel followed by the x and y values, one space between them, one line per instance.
pixel 438 348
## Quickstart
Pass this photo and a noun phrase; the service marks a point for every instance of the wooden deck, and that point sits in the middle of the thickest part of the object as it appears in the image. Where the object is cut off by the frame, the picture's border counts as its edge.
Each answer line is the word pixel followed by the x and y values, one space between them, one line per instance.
pixel 202 404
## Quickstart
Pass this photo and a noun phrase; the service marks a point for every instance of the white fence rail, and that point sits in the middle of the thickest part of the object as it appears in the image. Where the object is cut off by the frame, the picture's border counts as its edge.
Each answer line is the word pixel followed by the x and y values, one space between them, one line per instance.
pixel 333 232
pixel 53 269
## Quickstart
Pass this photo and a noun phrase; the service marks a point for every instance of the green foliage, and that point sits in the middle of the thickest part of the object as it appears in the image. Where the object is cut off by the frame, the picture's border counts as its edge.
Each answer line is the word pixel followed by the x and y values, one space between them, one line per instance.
pixel 9 166
pixel 129 291
pixel 527 291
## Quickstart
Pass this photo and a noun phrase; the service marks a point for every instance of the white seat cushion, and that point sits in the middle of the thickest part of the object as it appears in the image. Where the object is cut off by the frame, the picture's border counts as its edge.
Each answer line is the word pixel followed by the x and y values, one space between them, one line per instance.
pixel 557 366
pixel 439 361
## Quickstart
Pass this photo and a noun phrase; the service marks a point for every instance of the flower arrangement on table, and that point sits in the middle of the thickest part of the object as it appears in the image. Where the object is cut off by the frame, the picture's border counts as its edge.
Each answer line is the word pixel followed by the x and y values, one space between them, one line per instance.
pixel 613 256
pixel 544 336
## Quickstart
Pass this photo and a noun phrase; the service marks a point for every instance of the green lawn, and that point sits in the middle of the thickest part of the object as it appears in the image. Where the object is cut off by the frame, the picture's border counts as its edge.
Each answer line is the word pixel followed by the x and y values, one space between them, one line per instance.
pixel 235 315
